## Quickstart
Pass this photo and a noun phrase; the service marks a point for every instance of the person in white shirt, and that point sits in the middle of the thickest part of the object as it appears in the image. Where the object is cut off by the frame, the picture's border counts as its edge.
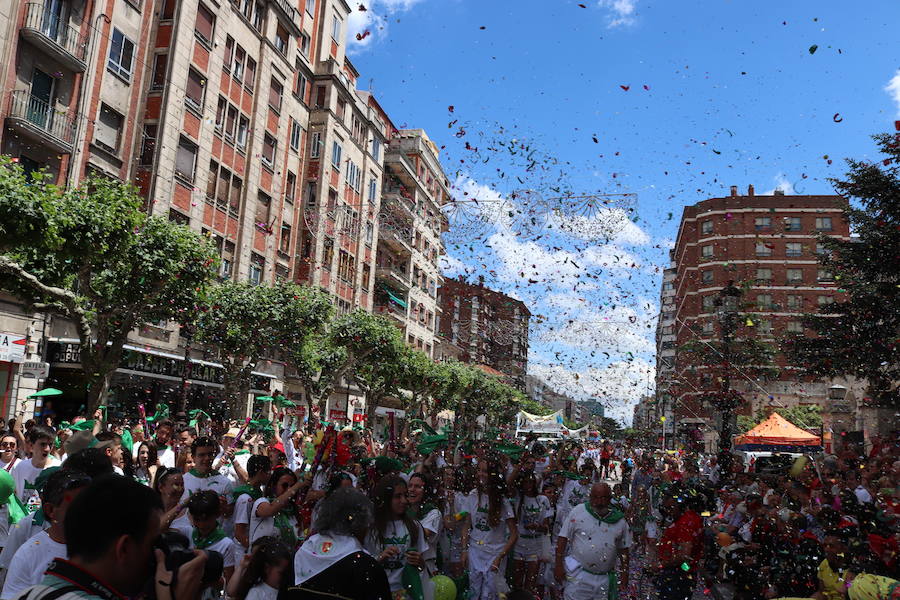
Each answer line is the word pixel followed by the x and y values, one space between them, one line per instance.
pixel 533 515
pixel 592 537
pixel 8 459
pixel 265 575
pixel 207 534
pixel 259 468
pixel 423 507
pixel 203 477
pixel 166 456
pixel 26 472
pixel 32 558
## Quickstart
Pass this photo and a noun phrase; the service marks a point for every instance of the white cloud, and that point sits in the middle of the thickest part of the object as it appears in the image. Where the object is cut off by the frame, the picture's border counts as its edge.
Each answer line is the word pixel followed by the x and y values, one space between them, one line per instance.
pixel 782 184
pixel 622 12
pixel 364 27
pixel 618 386
pixel 893 89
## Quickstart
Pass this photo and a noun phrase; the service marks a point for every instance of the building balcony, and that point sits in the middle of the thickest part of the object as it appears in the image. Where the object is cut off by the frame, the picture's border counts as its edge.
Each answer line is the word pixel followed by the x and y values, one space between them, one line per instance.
pixel 392 309
pixel 393 276
pixel 60 40
pixel 39 121
pixel 393 239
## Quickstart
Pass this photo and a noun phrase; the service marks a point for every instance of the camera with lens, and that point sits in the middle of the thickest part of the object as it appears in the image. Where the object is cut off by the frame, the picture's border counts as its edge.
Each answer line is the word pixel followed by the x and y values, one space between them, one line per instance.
pixel 177 550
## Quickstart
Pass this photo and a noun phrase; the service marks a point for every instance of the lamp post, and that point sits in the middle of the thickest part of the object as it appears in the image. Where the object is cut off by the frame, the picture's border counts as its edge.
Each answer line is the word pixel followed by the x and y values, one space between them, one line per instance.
pixel 727 304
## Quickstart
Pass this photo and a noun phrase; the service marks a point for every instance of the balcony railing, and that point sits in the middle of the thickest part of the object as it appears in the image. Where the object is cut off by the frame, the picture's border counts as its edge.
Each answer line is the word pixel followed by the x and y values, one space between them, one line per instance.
pixel 45 29
pixel 40 121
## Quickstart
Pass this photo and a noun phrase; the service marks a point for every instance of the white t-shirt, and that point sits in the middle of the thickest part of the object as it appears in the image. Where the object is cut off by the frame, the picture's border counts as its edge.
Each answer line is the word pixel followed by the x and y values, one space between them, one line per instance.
pixel 432 522
pixel 24 475
pixel 396 535
pixel 30 562
pixel 263 526
pixel 573 494
pixel 217 483
pixel 863 495
pixel 166 457
pixel 593 543
pixel 225 547
pixel 262 591
pixel 19 533
pixel 534 511
pixel 483 537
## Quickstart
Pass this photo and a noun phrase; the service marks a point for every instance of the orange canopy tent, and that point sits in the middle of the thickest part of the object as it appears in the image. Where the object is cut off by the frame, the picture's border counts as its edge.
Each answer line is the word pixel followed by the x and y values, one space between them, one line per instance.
pixel 777 431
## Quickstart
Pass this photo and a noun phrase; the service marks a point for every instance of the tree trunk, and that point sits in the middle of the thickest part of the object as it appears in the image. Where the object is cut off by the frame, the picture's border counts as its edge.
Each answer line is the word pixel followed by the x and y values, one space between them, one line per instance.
pixel 371 406
pixel 237 388
pixel 97 389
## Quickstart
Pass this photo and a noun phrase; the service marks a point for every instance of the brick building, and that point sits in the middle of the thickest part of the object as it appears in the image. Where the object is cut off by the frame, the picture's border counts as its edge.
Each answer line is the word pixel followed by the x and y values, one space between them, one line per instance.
pixel 485 327
pixel 766 245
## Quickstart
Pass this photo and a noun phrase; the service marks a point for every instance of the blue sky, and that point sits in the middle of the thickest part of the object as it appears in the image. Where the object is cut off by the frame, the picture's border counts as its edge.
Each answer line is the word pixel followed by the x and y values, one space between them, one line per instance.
pixel 719 93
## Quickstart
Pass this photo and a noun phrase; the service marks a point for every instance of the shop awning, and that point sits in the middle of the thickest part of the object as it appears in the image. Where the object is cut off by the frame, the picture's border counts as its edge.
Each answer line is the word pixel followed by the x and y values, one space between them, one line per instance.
pixel 400 301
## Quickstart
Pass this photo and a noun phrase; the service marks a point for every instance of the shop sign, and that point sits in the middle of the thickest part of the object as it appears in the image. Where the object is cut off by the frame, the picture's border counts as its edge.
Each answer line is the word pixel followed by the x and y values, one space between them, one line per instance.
pixel 12 347
pixel 35 370
pixel 359 417
pixel 153 364
pixel 337 415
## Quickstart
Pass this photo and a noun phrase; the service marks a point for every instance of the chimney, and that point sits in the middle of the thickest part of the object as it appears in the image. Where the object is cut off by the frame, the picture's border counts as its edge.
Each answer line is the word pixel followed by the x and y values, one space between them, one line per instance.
pixel 734 191
pixel 779 192
pixel 750 190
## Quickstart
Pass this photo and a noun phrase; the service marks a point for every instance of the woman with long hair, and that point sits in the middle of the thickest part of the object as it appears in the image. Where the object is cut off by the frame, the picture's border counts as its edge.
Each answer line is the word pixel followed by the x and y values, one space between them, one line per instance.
pixel 147 462
pixel 264 573
pixel 276 513
pixel 490 532
pixel 533 515
pixel 169 484
pixel 395 539
pixel 423 507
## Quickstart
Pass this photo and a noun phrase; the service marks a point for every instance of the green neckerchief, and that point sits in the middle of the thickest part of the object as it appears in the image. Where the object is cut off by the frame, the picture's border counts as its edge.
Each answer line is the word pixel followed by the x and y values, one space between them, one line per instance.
pixel 200 476
pixel 241 452
pixel 128 441
pixel 17 510
pixel 202 543
pixel 423 510
pixel 38 517
pixel 251 490
pixel 569 475
pixel 411 578
pixel 286 529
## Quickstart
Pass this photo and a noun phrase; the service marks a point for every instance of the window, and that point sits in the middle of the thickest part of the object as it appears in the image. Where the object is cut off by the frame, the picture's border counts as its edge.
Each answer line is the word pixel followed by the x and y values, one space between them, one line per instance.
pixel 148 144
pixel 707 251
pixel 229 53
pixel 706 227
pixel 231 122
pixel 240 59
pixel 255 273
pixel 763 249
pixel 186 158
pixel 341 109
pixel 762 223
pixel 304 45
pixel 373 188
pixel 825 300
pixel 247 8
pixel 794 302
pixel 263 209
pixel 345 266
pixel 709 303
pixel 315 140
pixel 795 327
pixel 366 276
pixel 320 96
pixel 823 223
pixel 824 275
pixel 821 250
pixel 311 6
pixel 203 27
pixel 795 276
pixel 290 185
pixel 281 39
pixel 284 242
pixel 234 200
pixel 250 79
pixel 193 93
pixel 764 301
pixel 327 253
pixel 764 327
pixel 793 249
pixel 176 216
pixel 295 135
pixel 706 276
pixel 121 53
pixel 793 224
pixel 221 108
pixel 376 148
pixel 108 130
pixel 259 16
pixel 763 275
pixel 370 232
pixel 311 194
pixel 243 128
pixel 158 78
pixel 227 260
pixel 336 28
pixel 336 152
pixel 707 328
pixel 300 85
pixel 168 10
pixel 268 151
pixel 276 89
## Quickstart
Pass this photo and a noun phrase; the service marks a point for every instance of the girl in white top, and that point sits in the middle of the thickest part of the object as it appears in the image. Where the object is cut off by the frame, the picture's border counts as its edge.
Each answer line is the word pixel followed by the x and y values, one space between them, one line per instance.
pixel 533 515
pixel 396 540
pixel 456 490
pixel 423 508
pixel 263 574
pixel 275 514
pixel 147 463
pixel 490 532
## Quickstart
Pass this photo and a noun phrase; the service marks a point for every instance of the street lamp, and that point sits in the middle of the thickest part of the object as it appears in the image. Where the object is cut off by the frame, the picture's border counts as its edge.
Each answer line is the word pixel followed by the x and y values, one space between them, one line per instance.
pixel 727 304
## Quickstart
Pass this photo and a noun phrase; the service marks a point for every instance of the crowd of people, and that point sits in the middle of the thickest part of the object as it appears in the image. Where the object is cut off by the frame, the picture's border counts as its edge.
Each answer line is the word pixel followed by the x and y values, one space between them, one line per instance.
pixel 164 508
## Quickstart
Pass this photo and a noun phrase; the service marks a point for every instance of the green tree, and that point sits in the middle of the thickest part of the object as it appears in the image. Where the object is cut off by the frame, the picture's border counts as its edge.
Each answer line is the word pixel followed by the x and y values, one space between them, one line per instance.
pixel 803 416
pixel 536 408
pixel 91 255
pixel 858 335
pixel 380 376
pixel 245 323
pixel 422 378
pixel 327 358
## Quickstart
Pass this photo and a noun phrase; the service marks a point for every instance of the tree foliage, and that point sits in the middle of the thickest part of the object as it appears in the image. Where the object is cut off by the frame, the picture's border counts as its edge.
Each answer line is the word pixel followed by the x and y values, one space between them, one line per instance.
pixel 244 323
pixel 91 255
pixel 860 334
pixel 805 417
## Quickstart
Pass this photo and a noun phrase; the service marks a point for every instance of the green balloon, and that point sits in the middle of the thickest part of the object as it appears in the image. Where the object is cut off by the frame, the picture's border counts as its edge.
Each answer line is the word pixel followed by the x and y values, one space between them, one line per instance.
pixel 444 588
pixel 7 485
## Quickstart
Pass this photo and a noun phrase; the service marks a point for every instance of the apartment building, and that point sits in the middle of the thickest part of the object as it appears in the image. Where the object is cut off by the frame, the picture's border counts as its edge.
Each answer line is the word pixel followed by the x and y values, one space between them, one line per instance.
pixel 407 269
pixel 768 246
pixel 487 326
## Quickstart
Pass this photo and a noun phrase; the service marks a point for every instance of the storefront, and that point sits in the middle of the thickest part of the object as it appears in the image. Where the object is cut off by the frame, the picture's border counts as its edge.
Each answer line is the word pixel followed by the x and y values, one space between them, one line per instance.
pixel 147 377
pixel 12 354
